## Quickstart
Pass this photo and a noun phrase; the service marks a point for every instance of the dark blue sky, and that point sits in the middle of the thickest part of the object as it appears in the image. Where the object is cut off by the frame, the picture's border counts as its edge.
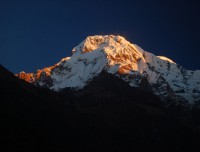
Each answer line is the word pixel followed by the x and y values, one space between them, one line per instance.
pixel 35 34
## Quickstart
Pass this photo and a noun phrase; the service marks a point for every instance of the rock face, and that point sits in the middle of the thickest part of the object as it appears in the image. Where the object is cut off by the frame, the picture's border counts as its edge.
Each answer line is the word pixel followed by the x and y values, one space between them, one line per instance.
pixel 115 55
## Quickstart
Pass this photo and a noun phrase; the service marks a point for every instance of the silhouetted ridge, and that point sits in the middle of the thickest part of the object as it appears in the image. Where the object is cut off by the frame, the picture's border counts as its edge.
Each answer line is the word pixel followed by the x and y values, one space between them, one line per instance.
pixel 109 116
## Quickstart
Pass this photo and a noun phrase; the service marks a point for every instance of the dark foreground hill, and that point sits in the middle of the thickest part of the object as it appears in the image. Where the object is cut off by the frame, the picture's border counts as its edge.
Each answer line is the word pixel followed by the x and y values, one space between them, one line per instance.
pixel 109 116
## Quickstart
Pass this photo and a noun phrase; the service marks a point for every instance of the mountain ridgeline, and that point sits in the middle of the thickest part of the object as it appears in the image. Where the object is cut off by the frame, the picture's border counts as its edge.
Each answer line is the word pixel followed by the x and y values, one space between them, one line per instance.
pixel 107 115
pixel 110 95
pixel 117 56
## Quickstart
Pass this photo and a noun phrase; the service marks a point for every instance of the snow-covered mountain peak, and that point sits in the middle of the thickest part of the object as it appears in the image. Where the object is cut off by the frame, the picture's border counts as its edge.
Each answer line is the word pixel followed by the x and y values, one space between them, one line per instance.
pixel 92 43
pixel 117 50
pixel 115 55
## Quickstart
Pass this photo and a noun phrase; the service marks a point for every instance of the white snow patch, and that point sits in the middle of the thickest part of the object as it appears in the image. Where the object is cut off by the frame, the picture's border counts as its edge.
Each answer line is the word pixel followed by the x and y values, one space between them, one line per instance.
pixel 166 59
pixel 118 56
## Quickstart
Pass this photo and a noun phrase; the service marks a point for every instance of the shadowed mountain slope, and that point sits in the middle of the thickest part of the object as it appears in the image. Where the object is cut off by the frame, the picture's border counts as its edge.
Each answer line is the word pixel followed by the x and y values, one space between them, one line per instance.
pixel 109 116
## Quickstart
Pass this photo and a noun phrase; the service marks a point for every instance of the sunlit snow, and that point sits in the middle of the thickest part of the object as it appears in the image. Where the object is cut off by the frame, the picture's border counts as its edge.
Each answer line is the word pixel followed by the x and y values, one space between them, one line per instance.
pixel 116 55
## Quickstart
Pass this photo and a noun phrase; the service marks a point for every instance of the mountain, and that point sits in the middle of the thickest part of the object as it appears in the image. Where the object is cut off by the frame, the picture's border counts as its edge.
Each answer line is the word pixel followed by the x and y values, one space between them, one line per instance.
pixel 107 115
pixel 115 55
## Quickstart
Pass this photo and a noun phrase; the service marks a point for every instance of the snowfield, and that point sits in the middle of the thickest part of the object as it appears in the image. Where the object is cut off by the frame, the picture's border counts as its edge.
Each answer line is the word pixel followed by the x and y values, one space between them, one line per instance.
pixel 119 57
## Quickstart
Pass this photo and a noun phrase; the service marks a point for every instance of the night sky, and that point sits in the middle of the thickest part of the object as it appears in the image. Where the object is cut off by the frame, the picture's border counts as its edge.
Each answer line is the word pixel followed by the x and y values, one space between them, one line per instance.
pixel 35 34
